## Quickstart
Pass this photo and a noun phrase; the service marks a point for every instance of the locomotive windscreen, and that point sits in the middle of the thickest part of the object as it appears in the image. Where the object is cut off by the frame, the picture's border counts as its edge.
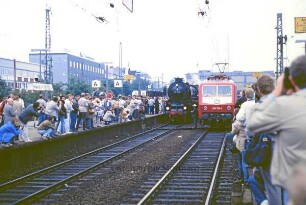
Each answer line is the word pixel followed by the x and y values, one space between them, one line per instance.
pixel 217 94
pixel 211 90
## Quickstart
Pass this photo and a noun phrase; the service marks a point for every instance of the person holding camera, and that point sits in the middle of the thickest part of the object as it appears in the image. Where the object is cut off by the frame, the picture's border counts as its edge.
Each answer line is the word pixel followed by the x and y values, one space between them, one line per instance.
pixel 9 131
pixel 42 105
pixel 46 128
pixel 285 115
pixel 24 117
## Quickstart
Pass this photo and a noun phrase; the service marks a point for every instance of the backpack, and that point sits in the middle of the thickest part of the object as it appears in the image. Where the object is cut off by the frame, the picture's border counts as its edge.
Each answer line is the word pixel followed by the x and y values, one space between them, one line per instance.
pixel 259 150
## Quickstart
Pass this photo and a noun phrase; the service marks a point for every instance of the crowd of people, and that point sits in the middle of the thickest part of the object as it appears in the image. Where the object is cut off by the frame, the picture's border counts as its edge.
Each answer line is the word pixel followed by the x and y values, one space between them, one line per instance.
pixel 275 110
pixel 71 113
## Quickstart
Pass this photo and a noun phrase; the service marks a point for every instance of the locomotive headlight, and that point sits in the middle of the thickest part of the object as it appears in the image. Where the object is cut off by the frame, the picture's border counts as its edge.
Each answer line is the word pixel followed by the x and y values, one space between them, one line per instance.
pixel 184 108
pixel 167 108
pixel 205 107
pixel 228 108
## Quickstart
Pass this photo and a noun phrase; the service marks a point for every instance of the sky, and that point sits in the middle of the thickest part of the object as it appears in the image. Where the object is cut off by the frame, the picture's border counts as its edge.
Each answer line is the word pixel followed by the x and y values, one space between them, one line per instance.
pixel 164 38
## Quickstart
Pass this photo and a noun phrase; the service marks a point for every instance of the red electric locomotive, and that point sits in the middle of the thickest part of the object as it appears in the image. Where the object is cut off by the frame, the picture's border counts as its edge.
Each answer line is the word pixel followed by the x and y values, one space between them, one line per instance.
pixel 217 96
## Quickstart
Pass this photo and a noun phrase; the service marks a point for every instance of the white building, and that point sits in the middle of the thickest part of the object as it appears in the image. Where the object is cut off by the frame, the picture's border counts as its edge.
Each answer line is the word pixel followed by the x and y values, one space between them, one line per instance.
pixel 19 74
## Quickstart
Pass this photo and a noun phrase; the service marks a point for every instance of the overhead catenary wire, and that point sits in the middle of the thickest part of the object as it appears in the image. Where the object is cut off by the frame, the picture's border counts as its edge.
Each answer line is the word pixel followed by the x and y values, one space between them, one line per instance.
pixel 100 19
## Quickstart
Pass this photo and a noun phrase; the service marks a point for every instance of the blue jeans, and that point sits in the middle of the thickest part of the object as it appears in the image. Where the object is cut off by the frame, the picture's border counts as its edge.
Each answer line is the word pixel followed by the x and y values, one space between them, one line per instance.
pixel 46 133
pixel 117 112
pixel 89 123
pixel 82 116
pixel 240 172
pixel 273 192
pixel 285 196
pixel 61 121
pixel 41 118
pixel 258 189
pixel 244 167
pixel 73 120
pixel 229 136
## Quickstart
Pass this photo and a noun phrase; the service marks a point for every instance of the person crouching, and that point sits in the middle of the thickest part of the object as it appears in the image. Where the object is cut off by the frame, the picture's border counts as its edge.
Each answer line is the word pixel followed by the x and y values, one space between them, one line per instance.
pixel 108 117
pixel 46 128
pixel 9 131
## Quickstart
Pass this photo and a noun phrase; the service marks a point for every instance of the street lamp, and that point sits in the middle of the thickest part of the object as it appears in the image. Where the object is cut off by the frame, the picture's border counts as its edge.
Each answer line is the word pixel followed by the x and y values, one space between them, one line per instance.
pixel 40 50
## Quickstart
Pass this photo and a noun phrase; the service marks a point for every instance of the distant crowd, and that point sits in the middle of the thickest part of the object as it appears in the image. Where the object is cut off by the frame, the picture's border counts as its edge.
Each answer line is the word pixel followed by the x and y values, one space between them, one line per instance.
pixel 71 113
pixel 269 137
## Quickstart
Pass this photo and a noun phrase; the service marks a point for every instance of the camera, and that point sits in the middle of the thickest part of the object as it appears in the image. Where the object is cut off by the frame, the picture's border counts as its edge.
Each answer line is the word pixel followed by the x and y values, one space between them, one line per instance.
pixel 287 84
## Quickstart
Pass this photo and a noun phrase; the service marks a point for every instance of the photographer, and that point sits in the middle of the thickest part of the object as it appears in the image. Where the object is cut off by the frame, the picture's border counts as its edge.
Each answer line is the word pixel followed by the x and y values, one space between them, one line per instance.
pixel 46 128
pixel 24 117
pixel 42 105
pixel 285 115
pixel 9 131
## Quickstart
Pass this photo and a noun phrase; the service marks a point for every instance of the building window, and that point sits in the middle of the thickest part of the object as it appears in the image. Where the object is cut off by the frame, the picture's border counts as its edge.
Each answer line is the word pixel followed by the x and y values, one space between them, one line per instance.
pixel 25 79
pixel 19 79
pixel 70 63
pixel 31 80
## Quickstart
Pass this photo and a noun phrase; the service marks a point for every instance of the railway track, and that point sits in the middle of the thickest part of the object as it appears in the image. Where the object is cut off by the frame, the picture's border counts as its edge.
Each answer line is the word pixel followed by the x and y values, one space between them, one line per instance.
pixel 224 186
pixel 33 186
pixel 191 179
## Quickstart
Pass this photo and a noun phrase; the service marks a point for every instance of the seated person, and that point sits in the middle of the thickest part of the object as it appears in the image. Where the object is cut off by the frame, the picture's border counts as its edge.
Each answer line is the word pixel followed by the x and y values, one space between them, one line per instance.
pixel 108 117
pixel 9 131
pixel 46 128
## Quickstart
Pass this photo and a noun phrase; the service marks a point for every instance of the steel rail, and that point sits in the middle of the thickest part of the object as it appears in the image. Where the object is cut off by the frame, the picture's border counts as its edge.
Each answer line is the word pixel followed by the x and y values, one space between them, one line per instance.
pixel 214 179
pixel 6 184
pixel 164 179
pixel 80 173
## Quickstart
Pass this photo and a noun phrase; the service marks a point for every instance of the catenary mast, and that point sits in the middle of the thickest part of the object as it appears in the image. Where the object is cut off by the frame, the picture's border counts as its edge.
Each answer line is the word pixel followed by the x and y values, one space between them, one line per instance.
pixel 48 57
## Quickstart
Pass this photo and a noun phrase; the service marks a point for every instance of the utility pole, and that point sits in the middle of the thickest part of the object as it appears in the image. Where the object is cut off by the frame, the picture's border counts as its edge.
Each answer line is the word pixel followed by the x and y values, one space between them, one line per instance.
pixel 48 57
pixel 281 40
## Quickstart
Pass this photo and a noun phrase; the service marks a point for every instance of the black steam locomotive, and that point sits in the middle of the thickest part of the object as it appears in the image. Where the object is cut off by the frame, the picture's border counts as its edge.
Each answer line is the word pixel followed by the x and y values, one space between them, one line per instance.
pixel 181 98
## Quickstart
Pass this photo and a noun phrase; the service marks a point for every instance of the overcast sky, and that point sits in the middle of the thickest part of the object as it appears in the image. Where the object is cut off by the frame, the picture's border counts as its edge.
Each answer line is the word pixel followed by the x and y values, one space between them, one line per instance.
pixel 161 37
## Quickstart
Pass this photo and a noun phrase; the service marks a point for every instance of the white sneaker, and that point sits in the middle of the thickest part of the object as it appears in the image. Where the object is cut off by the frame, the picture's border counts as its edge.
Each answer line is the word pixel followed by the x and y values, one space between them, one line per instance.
pixel 264 202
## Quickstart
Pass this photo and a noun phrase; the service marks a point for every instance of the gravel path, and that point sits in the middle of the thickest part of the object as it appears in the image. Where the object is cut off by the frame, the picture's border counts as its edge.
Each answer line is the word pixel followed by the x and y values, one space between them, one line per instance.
pixel 115 183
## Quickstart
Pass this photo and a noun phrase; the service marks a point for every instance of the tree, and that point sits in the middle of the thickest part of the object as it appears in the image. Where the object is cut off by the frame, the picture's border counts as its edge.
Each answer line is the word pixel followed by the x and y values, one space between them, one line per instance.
pixel 58 89
pixel 127 88
pixel 29 97
pixel 4 89
pixel 77 87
